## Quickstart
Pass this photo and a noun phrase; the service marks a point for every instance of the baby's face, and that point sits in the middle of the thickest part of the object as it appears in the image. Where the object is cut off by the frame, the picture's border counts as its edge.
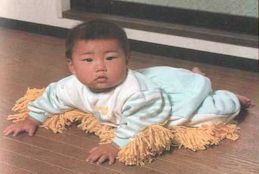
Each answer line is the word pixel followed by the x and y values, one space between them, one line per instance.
pixel 100 64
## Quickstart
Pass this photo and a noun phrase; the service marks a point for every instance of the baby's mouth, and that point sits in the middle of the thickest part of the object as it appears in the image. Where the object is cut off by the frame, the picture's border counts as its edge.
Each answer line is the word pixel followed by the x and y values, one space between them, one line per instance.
pixel 101 79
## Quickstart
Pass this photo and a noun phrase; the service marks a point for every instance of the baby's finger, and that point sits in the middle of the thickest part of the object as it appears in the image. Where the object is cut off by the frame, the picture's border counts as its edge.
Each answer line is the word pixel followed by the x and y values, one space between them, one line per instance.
pixel 17 131
pixel 5 130
pixel 102 159
pixel 111 159
pixel 31 131
pixel 8 131
pixel 93 149
pixel 93 157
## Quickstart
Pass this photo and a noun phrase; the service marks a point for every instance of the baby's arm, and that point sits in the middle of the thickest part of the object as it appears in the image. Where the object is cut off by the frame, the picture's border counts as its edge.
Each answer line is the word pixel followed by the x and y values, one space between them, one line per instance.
pixel 54 100
pixel 28 125
pixel 141 109
pixel 57 98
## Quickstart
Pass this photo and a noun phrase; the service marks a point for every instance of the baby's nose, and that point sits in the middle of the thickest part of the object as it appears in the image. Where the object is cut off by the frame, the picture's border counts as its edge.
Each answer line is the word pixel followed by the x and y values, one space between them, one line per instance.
pixel 101 66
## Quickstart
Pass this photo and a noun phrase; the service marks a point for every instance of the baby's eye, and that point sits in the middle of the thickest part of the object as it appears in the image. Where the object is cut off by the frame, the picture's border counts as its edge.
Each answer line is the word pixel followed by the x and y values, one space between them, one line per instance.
pixel 110 58
pixel 88 59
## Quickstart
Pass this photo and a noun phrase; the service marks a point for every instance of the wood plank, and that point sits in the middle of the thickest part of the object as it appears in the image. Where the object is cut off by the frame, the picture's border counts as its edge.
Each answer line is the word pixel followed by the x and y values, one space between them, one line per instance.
pixel 61 161
pixel 29 163
pixel 6 168
pixel 211 161
pixel 75 144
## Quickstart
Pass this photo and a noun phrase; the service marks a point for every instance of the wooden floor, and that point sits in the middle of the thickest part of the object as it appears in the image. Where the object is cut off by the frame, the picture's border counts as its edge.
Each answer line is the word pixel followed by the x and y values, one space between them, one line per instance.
pixel 31 60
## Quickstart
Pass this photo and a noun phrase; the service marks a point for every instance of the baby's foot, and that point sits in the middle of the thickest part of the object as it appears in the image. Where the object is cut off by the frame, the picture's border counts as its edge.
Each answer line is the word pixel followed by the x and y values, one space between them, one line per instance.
pixel 197 70
pixel 245 102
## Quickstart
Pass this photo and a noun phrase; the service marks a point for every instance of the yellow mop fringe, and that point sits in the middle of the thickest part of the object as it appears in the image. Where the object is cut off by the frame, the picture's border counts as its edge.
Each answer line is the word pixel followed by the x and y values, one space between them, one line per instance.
pixel 146 145
pixel 149 143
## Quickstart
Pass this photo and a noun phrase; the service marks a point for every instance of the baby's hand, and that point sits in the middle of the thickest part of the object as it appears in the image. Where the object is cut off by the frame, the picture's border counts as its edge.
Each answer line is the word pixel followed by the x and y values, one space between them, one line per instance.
pixel 28 125
pixel 102 153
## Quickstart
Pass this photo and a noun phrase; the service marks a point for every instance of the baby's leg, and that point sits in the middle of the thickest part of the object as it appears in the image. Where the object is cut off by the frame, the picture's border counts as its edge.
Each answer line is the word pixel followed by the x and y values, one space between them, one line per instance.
pixel 198 71
pixel 244 101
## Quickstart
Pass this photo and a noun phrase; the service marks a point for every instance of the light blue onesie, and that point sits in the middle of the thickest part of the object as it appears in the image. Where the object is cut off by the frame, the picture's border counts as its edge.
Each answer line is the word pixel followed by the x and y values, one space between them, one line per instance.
pixel 147 96
pixel 192 98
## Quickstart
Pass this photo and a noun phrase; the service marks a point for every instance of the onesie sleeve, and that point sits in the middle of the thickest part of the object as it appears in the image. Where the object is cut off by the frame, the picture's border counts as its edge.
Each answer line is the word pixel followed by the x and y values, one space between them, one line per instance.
pixel 141 110
pixel 54 100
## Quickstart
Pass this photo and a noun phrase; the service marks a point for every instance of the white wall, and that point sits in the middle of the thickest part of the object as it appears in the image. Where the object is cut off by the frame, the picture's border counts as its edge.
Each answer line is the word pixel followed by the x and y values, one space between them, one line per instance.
pixel 49 12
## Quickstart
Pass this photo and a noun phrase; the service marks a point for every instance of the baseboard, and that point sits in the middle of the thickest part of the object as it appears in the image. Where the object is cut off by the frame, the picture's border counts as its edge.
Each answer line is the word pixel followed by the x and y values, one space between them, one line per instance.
pixel 151 48
pixel 33 27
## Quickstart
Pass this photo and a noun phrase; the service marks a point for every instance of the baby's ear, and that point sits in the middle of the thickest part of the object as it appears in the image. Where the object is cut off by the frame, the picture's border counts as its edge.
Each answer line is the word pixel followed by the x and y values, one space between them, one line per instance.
pixel 70 66
pixel 128 59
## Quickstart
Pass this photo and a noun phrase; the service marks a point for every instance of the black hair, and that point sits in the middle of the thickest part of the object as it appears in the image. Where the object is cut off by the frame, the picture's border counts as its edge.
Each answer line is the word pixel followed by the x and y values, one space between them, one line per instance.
pixel 96 29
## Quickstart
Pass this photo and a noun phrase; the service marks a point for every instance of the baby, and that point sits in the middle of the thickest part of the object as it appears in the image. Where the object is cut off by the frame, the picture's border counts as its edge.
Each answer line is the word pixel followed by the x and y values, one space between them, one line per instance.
pixel 97 55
